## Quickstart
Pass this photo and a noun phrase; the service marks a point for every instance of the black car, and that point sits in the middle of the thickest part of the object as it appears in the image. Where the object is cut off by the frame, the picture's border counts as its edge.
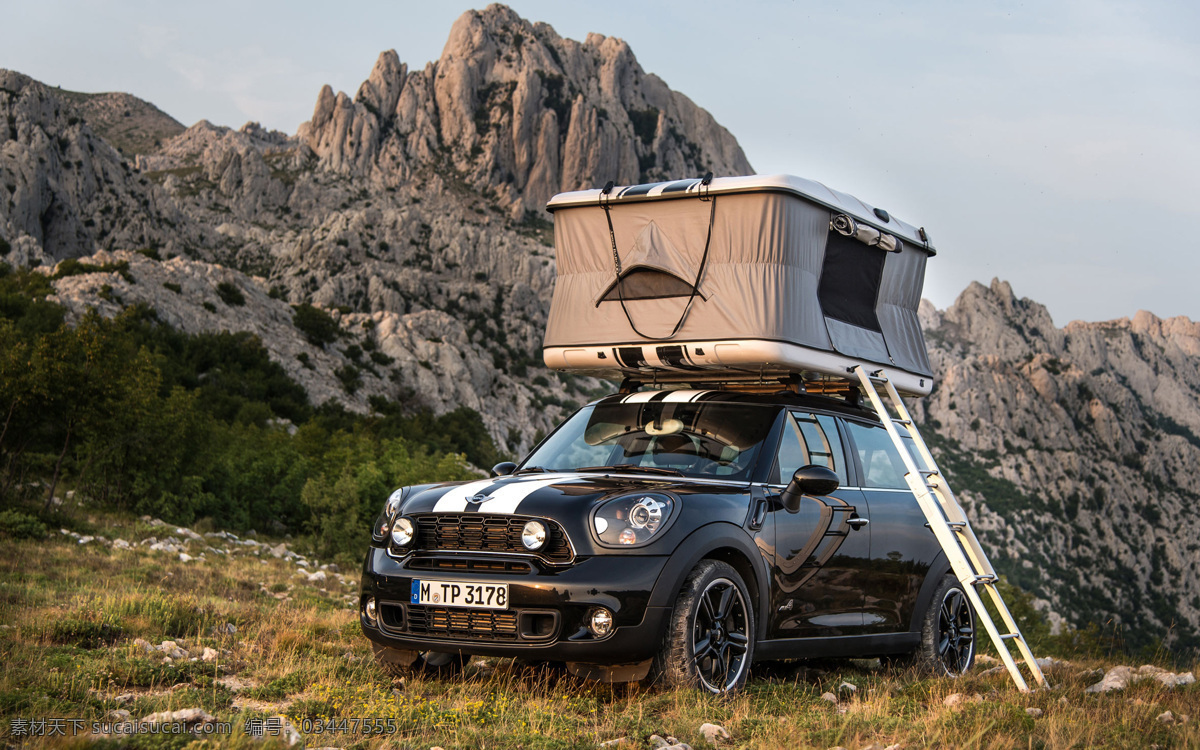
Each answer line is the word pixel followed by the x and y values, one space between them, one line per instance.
pixel 679 534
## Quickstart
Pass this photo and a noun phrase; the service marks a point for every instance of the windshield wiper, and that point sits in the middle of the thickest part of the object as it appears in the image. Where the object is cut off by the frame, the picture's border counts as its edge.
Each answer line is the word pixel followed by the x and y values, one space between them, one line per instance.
pixel 634 469
pixel 530 470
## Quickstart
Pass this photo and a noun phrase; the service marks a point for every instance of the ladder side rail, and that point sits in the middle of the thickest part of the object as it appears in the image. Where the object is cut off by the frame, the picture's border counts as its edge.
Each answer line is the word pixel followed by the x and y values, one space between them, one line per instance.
pixel 962 548
pixel 1010 623
pixel 950 504
pixel 965 572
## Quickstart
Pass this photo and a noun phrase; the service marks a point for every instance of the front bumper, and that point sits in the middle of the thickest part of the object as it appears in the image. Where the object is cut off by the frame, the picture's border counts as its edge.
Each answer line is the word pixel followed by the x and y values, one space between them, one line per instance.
pixel 546 617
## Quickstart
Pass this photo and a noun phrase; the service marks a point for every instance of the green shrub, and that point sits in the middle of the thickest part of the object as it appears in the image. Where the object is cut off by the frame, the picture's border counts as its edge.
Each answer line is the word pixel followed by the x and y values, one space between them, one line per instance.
pixel 18 525
pixel 230 294
pixel 316 325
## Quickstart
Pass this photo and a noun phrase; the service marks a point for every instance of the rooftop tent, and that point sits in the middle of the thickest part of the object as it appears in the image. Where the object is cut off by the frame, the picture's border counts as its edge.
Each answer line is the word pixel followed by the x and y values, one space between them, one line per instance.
pixel 740 277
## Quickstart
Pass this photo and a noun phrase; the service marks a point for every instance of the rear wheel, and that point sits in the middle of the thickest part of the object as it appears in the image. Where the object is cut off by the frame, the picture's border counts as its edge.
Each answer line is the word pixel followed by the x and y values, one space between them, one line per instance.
pixel 948 636
pixel 710 642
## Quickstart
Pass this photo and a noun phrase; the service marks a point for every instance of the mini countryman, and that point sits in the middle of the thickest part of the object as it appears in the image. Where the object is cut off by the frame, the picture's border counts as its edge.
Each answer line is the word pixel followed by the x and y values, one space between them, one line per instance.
pixel 678 535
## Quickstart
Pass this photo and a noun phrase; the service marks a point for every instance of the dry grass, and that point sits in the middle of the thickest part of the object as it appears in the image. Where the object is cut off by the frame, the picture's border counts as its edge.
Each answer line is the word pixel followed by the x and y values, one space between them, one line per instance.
pixel 73 613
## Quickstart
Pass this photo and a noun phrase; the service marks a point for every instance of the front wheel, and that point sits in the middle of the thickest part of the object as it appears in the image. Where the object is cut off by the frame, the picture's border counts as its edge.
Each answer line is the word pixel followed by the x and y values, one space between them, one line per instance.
pixel 710 642
pixel 948 636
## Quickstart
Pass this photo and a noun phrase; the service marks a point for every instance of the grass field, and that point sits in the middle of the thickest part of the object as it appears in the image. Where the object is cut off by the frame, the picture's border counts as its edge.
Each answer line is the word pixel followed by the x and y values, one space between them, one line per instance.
pixel 78 622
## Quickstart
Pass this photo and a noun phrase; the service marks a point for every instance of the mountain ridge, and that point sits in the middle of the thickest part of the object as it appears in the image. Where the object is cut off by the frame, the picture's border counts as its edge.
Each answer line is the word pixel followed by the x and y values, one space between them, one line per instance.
pixel 411 213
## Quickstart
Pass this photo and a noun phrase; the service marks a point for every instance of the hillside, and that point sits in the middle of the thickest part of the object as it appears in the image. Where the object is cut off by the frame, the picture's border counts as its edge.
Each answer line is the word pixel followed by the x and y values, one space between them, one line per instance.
pixel 411 213
pixel 207 635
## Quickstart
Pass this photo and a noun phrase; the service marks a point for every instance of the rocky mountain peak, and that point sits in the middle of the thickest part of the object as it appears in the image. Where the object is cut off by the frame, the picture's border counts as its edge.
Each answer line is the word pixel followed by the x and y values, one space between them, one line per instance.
pixel 519 113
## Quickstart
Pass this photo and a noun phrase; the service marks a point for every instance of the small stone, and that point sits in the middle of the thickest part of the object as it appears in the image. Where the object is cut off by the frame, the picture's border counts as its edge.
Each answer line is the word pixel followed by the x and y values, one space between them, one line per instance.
pixel 124 698
pixel 210 654
pixel 143 644
pixel 1063 700
pixel 847 687
pixel 713 733
pixel 829 697
pixel 185 557
pixel 954 699
pixel 611 743
pixel 117 714
pixel 1035 713
pixel 659 741
pixel 1166 717
pixel 279 550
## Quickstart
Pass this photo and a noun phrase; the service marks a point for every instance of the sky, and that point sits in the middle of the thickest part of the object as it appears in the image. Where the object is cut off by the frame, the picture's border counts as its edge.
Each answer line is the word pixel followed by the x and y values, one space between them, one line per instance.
pixel 1054 145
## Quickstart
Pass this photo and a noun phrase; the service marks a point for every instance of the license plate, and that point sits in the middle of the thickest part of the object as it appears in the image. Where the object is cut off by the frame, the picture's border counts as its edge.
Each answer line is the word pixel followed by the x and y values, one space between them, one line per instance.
pixel 470 594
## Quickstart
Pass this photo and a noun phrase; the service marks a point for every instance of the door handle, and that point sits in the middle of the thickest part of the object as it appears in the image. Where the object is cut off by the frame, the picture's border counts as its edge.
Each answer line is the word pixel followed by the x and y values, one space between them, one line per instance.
pixel 857 523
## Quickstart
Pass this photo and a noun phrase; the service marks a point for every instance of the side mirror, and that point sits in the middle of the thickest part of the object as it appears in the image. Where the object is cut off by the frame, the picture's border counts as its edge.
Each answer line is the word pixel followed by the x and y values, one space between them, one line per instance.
pixel 808 480
pixel 503 469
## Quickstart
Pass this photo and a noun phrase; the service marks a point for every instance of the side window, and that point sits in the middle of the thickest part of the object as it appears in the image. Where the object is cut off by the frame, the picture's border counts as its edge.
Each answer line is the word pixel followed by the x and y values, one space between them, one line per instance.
pixel 824 446
pixel 809 439
pixel 791 454
pixel 881 463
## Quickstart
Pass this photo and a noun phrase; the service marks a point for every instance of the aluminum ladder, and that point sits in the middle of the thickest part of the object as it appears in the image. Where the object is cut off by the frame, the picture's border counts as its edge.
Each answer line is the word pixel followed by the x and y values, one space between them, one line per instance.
pixel 949 524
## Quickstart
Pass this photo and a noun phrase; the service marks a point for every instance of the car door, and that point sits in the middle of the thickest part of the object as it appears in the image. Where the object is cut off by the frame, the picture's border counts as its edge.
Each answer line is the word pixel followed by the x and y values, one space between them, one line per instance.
pixel 822 549
pixel 902 547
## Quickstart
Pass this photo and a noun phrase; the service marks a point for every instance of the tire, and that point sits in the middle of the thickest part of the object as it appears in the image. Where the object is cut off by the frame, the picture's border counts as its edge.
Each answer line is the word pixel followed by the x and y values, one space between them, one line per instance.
pixel 948 633
pixel 397 663
pixel 710 639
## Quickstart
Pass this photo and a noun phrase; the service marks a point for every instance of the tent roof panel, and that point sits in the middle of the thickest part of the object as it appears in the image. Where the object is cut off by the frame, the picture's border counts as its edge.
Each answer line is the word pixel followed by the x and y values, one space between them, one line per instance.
pixel 807 189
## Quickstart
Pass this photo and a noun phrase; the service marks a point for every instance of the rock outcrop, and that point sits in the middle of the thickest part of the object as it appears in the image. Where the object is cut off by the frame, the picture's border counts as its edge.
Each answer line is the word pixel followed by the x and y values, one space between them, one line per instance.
pixel 411 212
pixel 1075 448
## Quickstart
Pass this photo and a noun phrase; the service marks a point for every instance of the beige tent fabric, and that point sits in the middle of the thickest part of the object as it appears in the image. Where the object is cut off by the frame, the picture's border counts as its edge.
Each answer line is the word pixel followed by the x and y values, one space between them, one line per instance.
pixel 760 282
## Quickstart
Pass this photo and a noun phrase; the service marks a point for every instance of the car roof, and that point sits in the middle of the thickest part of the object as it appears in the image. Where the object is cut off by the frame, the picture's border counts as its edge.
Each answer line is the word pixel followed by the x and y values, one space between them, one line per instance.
pixel 784 397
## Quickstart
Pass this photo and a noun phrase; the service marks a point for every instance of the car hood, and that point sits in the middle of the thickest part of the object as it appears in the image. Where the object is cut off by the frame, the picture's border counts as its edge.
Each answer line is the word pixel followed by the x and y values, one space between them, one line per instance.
pixel 551 494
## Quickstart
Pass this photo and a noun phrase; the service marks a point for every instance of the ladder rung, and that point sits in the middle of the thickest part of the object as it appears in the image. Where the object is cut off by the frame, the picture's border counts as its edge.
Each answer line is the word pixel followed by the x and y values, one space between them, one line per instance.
pixel 984 580
pixel 1009 636
pixel 904 422
pixel 956 525
pixel 927 474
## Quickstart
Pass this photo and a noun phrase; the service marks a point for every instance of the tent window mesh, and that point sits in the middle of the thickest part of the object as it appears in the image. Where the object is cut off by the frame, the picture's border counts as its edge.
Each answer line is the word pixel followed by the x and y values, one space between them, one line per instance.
pixel 850 279
pixel 647 283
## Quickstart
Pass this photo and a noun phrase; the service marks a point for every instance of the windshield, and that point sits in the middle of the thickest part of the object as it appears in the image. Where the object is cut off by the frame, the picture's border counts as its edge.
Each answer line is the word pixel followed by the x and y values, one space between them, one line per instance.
pixel 720 440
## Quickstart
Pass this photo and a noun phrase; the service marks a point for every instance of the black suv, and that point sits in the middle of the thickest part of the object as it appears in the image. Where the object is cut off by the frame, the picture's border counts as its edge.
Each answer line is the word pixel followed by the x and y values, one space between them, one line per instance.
pixel 683 534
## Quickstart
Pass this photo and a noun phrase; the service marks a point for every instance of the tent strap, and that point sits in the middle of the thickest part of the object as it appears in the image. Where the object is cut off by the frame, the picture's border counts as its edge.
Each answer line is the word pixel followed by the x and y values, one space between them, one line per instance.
pixel 612 236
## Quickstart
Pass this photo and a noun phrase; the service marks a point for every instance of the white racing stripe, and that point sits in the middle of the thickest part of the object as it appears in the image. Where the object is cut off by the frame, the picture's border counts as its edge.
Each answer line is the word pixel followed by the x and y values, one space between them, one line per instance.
pixel 640 397
pixel 455 499
pixel 675 397
pixel 506 499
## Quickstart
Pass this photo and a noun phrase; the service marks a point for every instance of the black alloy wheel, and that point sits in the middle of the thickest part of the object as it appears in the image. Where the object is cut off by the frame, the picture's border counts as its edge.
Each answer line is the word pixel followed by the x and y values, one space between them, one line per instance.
pixel 947 634
pixel 710 642
pixel 956 633
pixel 720 639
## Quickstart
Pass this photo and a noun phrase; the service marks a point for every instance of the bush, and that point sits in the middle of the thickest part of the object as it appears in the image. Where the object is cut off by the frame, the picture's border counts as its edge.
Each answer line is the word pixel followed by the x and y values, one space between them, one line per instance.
pixel 230 294
pixel 18 525
pixel 316 325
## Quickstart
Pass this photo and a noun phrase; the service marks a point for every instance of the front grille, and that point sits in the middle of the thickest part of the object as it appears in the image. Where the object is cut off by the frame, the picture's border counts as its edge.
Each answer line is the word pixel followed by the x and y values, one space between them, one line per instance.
pixel 470 564
pixel 476 532
pixel 461 623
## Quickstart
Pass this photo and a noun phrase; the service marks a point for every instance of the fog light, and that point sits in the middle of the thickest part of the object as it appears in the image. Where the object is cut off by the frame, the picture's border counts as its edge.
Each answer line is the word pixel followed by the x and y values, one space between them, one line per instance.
pixel 369 611
pixel 533 536
pixel 600 623
pixel 402 532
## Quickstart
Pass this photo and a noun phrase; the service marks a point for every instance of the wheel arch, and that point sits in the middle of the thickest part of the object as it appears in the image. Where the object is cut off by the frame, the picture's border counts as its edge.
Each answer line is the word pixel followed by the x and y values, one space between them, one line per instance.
pixel 717 541
pixel 933 578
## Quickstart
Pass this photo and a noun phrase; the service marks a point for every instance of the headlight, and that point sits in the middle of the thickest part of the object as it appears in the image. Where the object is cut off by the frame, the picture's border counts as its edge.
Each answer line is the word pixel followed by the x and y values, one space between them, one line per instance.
pixel 379 531
pixel 403 532
pixel 632 520
pixel 533 536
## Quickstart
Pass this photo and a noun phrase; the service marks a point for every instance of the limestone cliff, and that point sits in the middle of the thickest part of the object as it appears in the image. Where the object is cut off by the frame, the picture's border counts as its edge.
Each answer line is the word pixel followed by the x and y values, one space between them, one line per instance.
pixel 412 213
